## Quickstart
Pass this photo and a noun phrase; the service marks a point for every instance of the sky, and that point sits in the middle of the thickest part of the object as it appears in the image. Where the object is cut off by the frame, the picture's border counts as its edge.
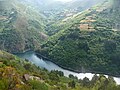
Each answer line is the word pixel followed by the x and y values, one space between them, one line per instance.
pixel 64 0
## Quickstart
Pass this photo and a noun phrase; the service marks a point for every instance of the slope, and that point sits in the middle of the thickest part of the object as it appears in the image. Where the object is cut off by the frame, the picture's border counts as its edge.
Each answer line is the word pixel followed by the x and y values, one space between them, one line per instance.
pixel 21 26
pixel 64 15
pixel 18 74
pixel 92 44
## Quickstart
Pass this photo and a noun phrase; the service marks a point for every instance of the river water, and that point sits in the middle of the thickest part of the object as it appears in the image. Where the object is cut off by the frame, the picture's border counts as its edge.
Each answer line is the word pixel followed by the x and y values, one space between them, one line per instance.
pixel 31 56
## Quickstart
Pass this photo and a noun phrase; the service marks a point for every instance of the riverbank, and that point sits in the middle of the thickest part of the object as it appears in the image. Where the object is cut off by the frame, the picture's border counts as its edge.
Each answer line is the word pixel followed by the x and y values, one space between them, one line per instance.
pixel 45 58
pixel 49 65
pixel 76 71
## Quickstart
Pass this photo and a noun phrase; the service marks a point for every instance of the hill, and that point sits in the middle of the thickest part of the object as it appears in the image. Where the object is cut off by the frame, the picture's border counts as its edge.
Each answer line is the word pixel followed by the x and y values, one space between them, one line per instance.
pixel 24 24
pixel 91 43
pixel 18 74
pixel 21 26
pixel 58 11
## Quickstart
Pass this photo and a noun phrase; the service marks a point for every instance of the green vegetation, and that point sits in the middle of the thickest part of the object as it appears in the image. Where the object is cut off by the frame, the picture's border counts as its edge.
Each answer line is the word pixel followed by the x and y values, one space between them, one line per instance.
pixel 20 74
pixel 70 14
pixel 88 41
pixel 88 50
pixel 21 26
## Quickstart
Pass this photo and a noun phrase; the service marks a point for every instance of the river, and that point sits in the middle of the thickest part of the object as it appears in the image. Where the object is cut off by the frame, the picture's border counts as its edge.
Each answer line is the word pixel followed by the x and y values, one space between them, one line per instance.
pixel 31 56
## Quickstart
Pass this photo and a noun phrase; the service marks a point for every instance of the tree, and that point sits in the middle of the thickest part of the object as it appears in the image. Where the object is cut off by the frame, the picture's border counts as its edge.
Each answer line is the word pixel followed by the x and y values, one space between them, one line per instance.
pixel 86 82
pixel 94 79
pixel 72 84
pixel 110 45
pixel 54 77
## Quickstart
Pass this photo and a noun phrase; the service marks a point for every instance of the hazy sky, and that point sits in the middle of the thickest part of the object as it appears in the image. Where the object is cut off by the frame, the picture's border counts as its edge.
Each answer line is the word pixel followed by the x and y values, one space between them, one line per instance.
pixel 64 0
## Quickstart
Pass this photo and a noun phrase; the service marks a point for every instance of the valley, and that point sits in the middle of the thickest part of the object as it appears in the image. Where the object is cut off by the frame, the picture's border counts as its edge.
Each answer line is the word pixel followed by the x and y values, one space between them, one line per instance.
pixel 90 43
pixel 16 73
pixel 43 63
pixel 59 45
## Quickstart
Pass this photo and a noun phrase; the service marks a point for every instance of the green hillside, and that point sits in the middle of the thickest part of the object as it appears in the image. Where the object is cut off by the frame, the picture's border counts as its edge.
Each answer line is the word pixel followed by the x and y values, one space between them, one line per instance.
pixel 69 14
pixel 24 23
pixel 87 41
pixel 18 74
pixel 21 26
pixel 91 42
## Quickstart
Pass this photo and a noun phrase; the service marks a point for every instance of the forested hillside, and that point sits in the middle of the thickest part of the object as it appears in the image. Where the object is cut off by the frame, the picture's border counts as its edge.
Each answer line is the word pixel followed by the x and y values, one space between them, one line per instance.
pixel 18 74
pixel 26 24
pixel 79 36
pixel 21 26
pixel 91 43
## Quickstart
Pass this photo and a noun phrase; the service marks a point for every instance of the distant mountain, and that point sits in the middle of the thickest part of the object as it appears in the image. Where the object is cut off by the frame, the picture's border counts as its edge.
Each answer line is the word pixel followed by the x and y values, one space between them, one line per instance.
pixel 68 11
pixel 83 4
pixel 74 4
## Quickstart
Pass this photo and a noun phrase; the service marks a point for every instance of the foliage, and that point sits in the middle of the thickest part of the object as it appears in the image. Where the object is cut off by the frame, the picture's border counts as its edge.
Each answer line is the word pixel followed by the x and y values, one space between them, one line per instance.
pixel 19 31
pixel 14 74
pixel 92 50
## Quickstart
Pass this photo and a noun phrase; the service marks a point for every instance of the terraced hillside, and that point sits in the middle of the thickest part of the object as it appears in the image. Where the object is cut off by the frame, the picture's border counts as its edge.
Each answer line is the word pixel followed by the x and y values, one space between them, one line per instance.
pixel 89 42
